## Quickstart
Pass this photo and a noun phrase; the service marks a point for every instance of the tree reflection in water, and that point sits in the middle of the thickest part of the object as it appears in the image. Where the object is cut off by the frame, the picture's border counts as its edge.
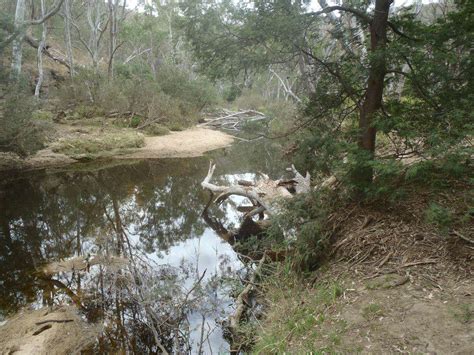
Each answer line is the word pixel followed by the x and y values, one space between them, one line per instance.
pixel 147 212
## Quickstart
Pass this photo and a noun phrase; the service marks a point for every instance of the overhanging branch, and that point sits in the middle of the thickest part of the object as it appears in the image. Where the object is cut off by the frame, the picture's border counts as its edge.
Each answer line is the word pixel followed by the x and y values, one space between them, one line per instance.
pixel 357 13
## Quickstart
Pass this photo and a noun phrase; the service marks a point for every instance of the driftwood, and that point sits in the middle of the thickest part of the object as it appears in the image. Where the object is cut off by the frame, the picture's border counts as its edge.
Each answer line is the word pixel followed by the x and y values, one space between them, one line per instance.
pixel 264 193
pixel 231 120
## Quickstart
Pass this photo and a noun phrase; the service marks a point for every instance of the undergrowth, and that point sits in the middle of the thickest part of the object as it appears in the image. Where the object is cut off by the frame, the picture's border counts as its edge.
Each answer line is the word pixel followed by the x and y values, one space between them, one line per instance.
pixel 297 313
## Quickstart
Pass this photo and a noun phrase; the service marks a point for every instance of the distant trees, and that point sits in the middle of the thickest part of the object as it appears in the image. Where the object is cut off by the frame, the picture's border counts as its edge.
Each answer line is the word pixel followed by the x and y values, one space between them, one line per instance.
pixel 365 67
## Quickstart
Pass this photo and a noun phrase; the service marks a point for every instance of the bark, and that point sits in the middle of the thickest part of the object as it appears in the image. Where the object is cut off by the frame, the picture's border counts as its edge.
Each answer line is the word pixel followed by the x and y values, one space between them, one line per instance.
pixel 95 18
pixel 20 26
pixel 113 35
pixel 375 85
pixel 40 54
pixel 67 36
pixel 286 87
pixel 17 42
pixel 264 193
pixel 46 51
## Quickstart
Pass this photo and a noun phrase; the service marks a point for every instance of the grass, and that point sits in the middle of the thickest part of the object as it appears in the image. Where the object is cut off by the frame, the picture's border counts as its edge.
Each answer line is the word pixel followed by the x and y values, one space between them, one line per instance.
pixel 463 313
pixel 300 319
pixel 156 130
pixel 372 311
pixel 100 145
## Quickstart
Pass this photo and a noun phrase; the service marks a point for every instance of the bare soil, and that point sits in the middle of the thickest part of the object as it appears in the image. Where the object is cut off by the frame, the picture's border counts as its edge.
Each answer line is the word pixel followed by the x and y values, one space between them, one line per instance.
pixel 405 287
pixel 46 331
pixel 192 142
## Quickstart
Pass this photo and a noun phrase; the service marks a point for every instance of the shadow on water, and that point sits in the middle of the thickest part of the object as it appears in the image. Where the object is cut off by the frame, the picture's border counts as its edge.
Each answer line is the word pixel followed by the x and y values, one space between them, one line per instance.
pixel 179 270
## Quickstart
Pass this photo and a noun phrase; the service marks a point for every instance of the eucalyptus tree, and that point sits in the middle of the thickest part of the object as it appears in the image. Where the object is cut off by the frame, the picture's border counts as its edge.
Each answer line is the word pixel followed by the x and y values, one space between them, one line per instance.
pixel 20 26
pixel 351 52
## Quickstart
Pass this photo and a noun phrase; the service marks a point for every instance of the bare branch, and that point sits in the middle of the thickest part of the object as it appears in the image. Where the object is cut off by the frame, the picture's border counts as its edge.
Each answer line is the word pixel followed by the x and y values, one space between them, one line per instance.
pixel 51 13
pixel 359 14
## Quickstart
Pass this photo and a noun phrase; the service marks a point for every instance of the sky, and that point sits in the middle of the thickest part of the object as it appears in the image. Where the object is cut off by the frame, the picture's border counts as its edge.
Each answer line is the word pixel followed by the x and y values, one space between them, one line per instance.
pixel 314 3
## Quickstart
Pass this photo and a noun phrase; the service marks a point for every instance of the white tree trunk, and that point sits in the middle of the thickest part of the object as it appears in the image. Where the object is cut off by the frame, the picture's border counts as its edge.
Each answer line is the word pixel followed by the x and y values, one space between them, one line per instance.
pixel 40 54
pixel 67 36
pixel 94 17
pixel 17 43
pixel 113 35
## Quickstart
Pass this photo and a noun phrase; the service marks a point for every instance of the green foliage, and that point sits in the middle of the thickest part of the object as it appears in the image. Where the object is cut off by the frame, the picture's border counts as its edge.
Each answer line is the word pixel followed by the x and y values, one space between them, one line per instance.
pixel 21 132
pixel 135 121
pixel 300 317
pixel 232 93
pixel 171 99
pixel 41 115
pixel 306 215
pixel 439 217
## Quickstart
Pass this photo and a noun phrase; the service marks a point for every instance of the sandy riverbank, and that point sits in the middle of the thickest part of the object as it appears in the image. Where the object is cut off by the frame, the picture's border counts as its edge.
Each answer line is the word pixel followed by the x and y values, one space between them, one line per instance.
pixel 191 142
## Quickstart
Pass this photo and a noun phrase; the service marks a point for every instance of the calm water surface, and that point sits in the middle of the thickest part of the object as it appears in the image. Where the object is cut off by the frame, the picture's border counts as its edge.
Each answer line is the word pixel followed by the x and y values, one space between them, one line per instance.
pixel 147 211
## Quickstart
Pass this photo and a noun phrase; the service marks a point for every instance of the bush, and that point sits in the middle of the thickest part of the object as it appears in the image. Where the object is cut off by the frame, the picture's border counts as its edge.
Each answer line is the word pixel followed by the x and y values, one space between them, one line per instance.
pixel 172 99
pixel 21 133
pixel 306 216
pixel 439 216
pixel 156 130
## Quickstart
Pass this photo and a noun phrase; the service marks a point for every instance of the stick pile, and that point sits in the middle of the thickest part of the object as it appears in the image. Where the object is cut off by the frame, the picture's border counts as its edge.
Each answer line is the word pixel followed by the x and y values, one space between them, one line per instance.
pixel 233 120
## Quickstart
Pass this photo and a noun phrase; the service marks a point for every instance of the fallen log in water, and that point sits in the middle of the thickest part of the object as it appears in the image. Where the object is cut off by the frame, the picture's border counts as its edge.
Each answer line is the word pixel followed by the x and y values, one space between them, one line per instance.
pixel 264 193
pixel 233 120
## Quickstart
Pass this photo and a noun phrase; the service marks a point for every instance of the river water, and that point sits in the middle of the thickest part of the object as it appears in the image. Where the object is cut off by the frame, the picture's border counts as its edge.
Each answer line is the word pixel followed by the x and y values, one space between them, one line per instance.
pixel 147 212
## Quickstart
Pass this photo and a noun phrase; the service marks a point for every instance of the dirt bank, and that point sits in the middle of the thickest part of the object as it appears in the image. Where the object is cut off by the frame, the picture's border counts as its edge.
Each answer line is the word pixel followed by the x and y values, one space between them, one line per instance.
pixel 85 143
pixel 192 142
pixel 45 331
pixel 392 283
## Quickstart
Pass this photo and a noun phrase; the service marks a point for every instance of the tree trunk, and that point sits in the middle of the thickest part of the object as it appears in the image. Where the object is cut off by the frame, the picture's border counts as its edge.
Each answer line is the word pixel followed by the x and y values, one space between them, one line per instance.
pixel 16 46
pixel 67 36
pixel 113 36
pixel 375 85
pixel 40 54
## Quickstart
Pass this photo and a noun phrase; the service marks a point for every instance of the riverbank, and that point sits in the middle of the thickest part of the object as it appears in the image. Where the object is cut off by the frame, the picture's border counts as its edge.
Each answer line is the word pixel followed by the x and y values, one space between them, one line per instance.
pixel 391 282
pixel 76 143
pixel 56 330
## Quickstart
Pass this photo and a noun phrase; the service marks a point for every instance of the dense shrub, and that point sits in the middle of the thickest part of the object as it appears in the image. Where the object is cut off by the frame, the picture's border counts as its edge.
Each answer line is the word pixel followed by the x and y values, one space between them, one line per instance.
pixel 172 99
pixel 20 132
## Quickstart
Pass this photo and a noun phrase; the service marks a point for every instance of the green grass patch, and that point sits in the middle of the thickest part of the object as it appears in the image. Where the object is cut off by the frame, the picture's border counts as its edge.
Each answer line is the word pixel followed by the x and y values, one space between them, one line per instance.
pixel 100 145
pixel 301 319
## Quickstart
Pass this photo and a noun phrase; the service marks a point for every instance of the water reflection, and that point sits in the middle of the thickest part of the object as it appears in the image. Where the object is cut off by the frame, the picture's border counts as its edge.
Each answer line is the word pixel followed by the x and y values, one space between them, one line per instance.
pixel 148 213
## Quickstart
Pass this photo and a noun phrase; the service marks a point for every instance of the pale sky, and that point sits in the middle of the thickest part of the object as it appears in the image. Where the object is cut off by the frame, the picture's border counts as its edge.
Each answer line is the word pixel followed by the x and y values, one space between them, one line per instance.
pixel 314 3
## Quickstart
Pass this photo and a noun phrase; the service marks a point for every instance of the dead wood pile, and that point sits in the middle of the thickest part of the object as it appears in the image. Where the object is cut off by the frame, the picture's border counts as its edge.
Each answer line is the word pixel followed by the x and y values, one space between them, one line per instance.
pixel 264 194
pixel 232 120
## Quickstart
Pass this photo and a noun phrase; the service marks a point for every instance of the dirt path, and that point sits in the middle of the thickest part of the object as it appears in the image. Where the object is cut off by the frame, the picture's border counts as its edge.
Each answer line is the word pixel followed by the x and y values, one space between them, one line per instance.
pixel 192 142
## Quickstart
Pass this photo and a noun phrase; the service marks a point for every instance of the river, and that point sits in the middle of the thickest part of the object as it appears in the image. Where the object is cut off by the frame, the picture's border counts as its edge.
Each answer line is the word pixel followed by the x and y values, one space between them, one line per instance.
pixel 145 211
